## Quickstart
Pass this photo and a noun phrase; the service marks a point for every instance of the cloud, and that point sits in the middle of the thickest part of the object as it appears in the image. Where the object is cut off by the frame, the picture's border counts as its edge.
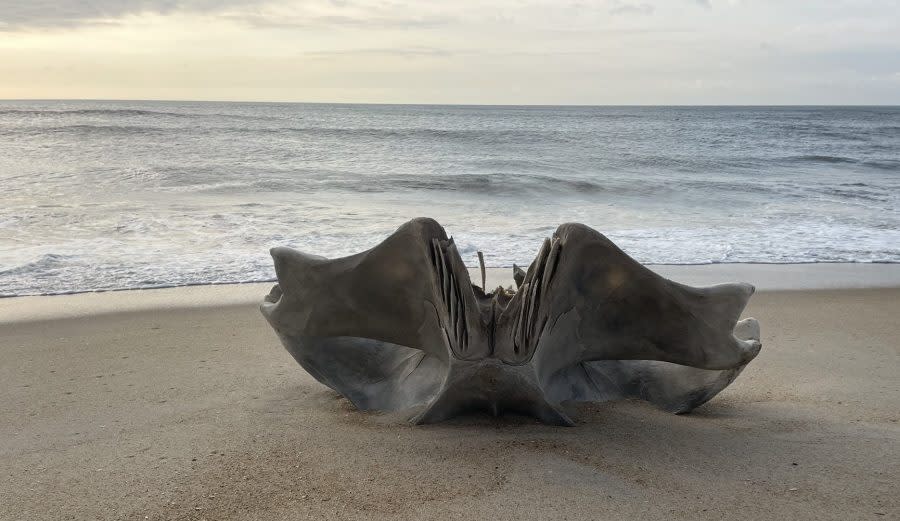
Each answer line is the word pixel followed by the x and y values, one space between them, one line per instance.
pixel 18 14
pixel 627 9
pixel 268 21
pixel 266 14
pixel 402 52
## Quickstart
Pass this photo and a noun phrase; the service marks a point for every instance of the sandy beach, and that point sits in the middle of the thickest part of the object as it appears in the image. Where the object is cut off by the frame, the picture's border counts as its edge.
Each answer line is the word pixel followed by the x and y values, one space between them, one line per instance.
pixel 181 404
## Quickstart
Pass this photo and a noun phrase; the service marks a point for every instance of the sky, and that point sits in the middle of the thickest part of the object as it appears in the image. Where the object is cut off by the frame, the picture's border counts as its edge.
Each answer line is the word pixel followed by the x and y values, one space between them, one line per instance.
pixel 462 51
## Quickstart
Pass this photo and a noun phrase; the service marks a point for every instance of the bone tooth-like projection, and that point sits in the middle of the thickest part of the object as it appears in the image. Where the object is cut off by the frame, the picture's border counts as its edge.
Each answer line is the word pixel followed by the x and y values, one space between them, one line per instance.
pixel 402 327
pixel 518 275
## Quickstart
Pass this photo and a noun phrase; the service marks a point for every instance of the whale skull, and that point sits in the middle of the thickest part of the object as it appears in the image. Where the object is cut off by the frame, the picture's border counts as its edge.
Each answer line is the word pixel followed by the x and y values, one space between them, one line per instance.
pixel 401 327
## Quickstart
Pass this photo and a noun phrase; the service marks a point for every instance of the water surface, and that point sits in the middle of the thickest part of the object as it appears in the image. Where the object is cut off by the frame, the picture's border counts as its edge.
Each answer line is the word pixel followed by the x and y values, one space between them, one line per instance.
pixel 107 195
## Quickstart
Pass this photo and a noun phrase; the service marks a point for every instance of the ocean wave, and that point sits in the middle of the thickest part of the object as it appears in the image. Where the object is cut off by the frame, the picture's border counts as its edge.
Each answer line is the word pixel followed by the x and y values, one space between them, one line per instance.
pixel 115 289
pixel 879 164
pixel 431 136
pixel 131 113
pixel 866 195
pixel 482 136
pixel 42 264
pixel 510 184
pixel 884 164
pixel 86 129
pixel 822 159
pixel 96 112
pixel 487 184
pixel 482 184
pixel 33 287
pixel 105 129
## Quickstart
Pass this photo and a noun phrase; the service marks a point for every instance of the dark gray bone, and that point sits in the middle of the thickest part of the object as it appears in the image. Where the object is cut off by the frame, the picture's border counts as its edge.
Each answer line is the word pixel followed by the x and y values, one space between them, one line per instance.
pixel 401 326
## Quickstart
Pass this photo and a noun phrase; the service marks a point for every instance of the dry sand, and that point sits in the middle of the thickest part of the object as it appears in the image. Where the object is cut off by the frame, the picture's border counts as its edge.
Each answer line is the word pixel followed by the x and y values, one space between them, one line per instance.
pixel 197 412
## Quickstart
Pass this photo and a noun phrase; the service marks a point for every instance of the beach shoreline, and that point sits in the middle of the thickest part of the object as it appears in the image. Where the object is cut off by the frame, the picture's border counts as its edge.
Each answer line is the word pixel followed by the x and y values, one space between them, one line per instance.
pixel 765 277
pixel 181 404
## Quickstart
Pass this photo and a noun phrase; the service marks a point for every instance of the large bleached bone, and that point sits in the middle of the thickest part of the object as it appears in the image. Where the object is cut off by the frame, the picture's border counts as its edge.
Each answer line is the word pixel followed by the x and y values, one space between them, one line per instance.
pixel 401 327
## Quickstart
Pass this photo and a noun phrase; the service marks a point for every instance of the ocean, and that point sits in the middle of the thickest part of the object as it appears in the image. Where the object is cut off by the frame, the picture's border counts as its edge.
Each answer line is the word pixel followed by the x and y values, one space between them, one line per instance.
pixel 102 195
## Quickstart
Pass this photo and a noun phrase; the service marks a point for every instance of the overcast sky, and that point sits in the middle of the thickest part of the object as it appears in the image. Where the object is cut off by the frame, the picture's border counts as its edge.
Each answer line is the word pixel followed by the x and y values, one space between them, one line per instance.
pixel 462 51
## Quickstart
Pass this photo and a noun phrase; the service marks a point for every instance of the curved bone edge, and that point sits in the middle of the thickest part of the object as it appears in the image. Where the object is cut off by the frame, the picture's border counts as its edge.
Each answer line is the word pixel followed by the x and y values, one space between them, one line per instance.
pixel 627 312
pixel 518 275
pixel 378 294
pixel 373 375
pixel 674 388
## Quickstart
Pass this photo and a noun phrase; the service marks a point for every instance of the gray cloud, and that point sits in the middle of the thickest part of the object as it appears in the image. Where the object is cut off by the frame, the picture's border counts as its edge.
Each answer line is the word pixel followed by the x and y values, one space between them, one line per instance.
pixel 368 21
pixel 48 14
pixel 17 14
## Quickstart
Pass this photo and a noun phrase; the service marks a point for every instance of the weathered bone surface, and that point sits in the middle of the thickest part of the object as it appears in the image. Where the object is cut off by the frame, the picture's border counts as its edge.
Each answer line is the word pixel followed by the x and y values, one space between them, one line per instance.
pixel 401 327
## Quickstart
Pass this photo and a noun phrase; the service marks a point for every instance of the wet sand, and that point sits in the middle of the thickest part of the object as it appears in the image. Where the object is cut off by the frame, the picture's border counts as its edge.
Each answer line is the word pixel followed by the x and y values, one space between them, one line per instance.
pixel 185 408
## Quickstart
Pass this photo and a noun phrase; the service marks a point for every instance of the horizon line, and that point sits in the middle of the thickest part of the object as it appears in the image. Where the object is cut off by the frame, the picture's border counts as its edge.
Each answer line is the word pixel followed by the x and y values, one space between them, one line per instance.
pixel 709 105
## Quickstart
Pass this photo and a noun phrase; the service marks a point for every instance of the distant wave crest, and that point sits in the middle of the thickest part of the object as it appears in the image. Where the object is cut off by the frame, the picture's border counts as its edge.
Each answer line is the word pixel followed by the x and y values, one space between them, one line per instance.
pixel 824 159
pixel 119 113
pixel 95 112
